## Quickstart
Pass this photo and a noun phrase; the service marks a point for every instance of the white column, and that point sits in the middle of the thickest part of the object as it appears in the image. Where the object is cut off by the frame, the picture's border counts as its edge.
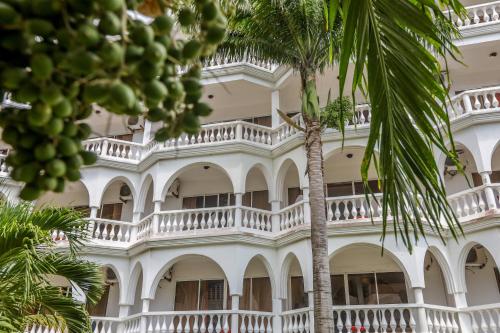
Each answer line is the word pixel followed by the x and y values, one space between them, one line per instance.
pixel 123 312
pixel 144 319
pixel 235 307
pixel 238 217
pixel 464 318
pixel 93 212
pixel 93 215
pixel 147 132
pixel 490 195
pixel 277 310
pixel 307 208
pixel 421 316
pixel 156 217
pixel 310 295
pixel 275 105
pixel 275 219
pixel 136 217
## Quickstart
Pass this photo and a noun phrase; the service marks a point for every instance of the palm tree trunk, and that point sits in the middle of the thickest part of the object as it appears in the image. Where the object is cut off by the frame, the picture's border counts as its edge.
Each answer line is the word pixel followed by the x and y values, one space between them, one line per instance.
pixel 323 314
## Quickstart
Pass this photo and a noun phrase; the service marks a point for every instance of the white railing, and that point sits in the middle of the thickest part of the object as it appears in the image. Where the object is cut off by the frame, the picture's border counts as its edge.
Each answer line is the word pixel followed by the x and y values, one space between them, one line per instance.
pixel 353 207
pixel 485 318
pixel 254 321
pixel 441 319
pixel 111 230
pixel 477 15
pixel 195 219
pixel 291 216
pixel 478 100
pixel 208 134
pixel 256 133
pixel 371 318
pixel 132 324
pixel 475 201
pixel 113 148
pixel 218 321
pixel 4 168
pixel 145 227
pixel 285 131
pixel 219 62
pixel 37 328
pixel 362 115
pixel 296 321
pixel 256 219
pixel 104 324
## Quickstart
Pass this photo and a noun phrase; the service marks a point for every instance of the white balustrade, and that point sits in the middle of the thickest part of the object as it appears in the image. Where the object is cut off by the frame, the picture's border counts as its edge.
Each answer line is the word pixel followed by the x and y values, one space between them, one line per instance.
pixel 37 328
pixel 145 227
pixel 257 133
pixel 58 236
pixel 113 148
pixel 362 115
pixel 470 202
pixel 195 219
pixel 285 130
pixel 187 322
pixel 132 324
pixel 245 60
pixel 353 207
pixel 441 319
pixel 111 230
pixel 478 15
pixel 485 318
pixel 104 324
pixel 291 216
pixel 296 321
pixel 255 322
pixel 257 219
pixel 478 100
pixel 4 168
pixel 208 134
pixel 372 318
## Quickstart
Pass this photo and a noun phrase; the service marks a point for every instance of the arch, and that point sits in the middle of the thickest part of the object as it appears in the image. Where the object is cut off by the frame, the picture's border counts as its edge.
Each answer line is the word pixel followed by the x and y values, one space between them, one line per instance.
pixel 456 182
pixel 495 157
pixel 268 268
pixel 445 268
pixel 184 168
pixel 75 194
pixel 285 272
pixel 170 263
pixel 113 296
pixel 266 174
pixel 134 279
pixel 146 186
pixel 113 180
pixel 281 177
pixel 437 278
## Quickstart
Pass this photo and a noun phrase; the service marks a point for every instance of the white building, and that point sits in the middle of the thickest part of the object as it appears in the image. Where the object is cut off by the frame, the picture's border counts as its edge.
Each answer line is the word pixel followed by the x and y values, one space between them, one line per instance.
pixel 210 233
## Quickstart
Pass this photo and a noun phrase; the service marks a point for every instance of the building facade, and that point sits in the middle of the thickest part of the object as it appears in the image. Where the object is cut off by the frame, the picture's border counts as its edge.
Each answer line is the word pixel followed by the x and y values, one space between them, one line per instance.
pixel 211 232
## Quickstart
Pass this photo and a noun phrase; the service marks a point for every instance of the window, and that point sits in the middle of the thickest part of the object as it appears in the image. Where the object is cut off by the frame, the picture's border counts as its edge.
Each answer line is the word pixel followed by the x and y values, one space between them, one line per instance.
pixel 208 201
pixel 124 137
pixel 350 188
pixel 257 199
pixel 200 295
pixel 299 298
pixel 256 295
pixel 110 211
pixel 263 120
pixel 369 288
pixel 294 194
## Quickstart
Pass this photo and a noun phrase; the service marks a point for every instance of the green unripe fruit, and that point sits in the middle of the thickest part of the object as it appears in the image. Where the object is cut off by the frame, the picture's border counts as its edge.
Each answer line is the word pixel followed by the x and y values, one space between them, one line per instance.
pixel 162 25
pixel 110 24
pixel 39 27
pixel 27 140
pixel 64 38
pixel 74 162
pixel 51 95
pixel 190 122
pixel 194 72
pixel 27 93
pixel 175 89
pixel 56 168
pixel 60 185
pixel 155 52
pixel 156 114
pixel 63 109
pixel 28 172
pixel 84 112
pixel 45 152
pixel 73 175
pixel 41 66
pixel 8 15
pixel 39 114
pixel 191 84
pixel 10 135
pixel 67 147
pixel 45 7
pixel 112 54
pixel 136 110
pixel 88 157
pixel 84 131
pixel 133 52
pixel 202 109
pixel 112 5
pixel 122 96
pixel 215 34
pixel 209 11
pixel 95 92
pixel 193 96
pixel 164 40
pixel 155 90
pixel 142 35
pixel 84 62
pixel 54 126
pixel 148 71
pixel 30 193
pixel 11 77
pixel 88 35
pixel 163 134
pixel 70 129
pixel 191 49
pixel 186 17
pixel 47 183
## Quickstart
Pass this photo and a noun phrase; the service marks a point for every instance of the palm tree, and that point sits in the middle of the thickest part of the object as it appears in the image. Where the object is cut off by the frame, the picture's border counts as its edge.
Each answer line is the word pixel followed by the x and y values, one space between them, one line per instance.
pixel 28 259
pixel 395 45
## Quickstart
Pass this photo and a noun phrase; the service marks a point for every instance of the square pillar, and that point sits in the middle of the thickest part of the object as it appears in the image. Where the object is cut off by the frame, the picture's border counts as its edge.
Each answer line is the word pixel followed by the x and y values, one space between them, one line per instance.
pixel 421 315
pixel 488 191
pixel 238 216
pixel 277 310
pixel 155 224
pixel 275 105
pixel 310 301
pixel 307 208
pixel 464 318
pixel 147 132
pixel 276 218
pixel 144 319
pixel 235 307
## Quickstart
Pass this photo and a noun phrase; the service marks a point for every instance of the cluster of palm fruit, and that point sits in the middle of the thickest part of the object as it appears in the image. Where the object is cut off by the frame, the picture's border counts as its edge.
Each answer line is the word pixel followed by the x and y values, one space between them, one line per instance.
pixel 62 57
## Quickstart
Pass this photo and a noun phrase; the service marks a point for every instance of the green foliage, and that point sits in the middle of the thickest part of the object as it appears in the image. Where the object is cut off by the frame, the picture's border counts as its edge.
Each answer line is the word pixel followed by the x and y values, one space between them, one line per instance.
pixel 337 112
pixel 28 257
pixel 62 56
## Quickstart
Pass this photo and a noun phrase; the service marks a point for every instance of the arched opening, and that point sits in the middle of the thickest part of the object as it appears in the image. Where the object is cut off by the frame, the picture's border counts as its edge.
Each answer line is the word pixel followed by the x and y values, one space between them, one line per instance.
pixel 456 182
pixel 192 283
pixel 435 291
pixel 291 191
pixel 137 305
pixel 108 305
pixel 257 288
pixel 117 202
pixel 482 277
pixel 199 186
pixel 495 165
pixel 256 190
pixel 75 195
pixel 148 207
pixel 360 275
pixel 297 298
